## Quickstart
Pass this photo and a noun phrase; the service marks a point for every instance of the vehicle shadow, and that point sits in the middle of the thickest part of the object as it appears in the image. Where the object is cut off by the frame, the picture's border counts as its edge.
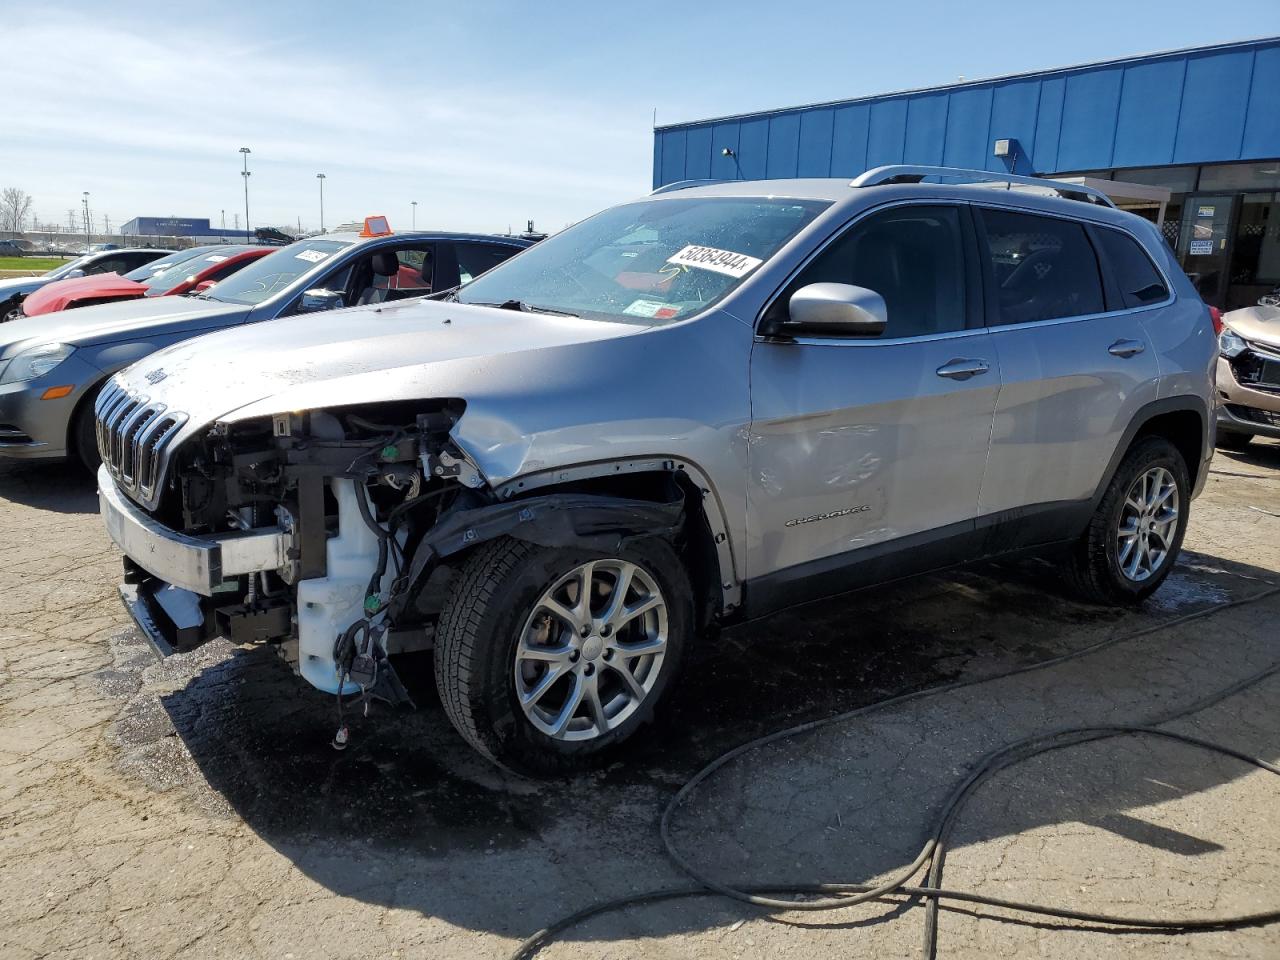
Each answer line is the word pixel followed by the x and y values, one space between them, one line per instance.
pixel 53 486
pixel 408 816
pixel 1262 452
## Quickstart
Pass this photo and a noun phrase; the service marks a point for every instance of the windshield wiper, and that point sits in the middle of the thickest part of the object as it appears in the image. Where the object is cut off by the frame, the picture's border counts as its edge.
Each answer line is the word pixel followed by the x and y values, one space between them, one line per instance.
pixel 521 306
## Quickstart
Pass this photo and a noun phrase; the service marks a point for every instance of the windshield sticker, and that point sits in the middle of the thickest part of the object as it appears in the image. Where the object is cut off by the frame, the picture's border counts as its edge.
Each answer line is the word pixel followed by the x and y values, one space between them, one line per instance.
pixel 655 309
pixel 214 259
pixel 312 256
pixel 719 261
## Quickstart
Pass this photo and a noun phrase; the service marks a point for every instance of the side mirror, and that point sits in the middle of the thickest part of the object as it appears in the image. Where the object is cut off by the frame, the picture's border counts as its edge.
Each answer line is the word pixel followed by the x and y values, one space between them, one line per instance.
pixel 75 274
pixel 203 285
pixel 317 301
pixel 833 310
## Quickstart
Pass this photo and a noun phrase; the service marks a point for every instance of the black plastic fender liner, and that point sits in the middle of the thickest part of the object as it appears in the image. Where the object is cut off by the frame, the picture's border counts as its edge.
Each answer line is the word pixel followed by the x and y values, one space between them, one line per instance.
pixel 596 522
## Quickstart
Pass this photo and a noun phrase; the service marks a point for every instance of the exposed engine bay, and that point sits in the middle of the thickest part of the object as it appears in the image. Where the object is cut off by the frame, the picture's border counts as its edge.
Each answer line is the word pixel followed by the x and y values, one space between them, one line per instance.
pixel 370 506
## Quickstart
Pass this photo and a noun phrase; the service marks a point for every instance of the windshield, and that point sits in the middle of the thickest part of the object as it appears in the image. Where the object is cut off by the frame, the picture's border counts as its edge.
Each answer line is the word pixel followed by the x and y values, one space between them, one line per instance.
pixel 654 260
pixel 178 273
pixel 269 275
pixel 144 273
pixel 67 267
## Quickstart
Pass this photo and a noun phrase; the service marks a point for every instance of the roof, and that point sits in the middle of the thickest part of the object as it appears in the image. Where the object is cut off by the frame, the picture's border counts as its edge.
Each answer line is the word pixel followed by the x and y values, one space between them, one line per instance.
pixel 1212 104
pixel 353 237
pixel 982 81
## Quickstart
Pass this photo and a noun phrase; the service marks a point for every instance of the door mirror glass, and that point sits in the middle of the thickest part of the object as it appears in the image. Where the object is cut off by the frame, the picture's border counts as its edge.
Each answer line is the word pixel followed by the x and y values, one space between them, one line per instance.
pixel 74 274
pixel 317 301
pixel 834 310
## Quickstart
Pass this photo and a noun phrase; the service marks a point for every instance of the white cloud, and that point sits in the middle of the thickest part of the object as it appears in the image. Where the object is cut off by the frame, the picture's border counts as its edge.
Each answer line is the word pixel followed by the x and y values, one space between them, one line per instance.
pixel 151 124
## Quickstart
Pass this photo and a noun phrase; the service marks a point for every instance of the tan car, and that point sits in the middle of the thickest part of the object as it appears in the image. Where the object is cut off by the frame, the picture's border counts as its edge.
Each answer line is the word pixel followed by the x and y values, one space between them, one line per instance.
pixel 1249 376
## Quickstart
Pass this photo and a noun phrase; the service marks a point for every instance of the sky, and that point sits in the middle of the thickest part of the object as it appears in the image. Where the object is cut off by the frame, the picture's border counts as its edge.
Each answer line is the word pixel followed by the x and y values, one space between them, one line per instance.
pixel 487 113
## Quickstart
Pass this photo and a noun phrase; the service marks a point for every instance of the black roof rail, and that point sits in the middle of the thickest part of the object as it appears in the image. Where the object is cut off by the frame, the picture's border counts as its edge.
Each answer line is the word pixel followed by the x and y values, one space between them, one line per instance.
pixel 912 173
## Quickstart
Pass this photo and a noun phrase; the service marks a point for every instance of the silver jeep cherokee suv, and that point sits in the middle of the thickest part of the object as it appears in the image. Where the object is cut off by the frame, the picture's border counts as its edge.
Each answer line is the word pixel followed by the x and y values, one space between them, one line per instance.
pixel 696 408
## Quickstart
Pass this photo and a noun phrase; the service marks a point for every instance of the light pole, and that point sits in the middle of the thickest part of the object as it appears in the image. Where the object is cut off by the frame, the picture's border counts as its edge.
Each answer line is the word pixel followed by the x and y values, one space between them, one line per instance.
pixel 321 178
pixel 85 199
pixel 245 173
pixel 414 204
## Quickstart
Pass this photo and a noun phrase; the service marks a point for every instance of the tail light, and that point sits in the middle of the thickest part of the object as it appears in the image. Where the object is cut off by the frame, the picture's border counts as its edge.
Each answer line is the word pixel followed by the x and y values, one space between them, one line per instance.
pixel 1216 316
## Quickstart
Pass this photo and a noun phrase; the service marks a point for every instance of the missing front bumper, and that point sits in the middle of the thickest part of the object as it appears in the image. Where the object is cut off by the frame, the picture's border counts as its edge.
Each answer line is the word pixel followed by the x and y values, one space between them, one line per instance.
pixel 198 564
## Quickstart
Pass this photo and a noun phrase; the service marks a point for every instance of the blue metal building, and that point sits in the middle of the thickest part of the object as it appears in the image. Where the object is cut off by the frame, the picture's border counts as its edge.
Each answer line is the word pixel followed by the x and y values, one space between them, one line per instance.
pixel 178 227
pixel 1202 122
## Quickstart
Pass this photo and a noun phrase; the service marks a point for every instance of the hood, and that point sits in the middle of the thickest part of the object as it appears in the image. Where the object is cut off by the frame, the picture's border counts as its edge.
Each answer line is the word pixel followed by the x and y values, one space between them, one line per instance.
pixel 415 349
pixel 60 294
pixel 1259 324
pixel 109 322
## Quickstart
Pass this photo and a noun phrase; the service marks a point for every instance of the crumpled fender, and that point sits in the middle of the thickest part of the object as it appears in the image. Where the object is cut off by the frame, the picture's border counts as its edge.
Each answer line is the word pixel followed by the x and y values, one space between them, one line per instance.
pixel 595 522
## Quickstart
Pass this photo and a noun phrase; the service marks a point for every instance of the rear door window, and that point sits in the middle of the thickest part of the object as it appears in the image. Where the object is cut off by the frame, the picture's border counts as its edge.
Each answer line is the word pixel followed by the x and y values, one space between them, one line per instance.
pixel 1136 276
pixel 1044 268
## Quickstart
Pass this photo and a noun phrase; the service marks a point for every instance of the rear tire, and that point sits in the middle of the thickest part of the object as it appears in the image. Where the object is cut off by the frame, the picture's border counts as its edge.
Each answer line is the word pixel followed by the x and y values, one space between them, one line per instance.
pixel 1134 537
pixel 538 682
pixel 1232 440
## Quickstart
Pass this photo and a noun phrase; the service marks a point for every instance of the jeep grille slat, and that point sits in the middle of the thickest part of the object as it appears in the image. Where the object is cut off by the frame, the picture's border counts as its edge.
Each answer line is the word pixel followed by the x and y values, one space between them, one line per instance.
pixel 133 437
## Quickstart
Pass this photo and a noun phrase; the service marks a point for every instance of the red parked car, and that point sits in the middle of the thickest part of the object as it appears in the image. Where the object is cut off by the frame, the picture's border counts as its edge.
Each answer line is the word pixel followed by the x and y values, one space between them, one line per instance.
pixel 184 272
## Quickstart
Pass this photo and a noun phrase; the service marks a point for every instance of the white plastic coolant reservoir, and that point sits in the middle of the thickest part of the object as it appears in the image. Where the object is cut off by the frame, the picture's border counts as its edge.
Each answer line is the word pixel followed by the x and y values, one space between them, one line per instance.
pixel 328 605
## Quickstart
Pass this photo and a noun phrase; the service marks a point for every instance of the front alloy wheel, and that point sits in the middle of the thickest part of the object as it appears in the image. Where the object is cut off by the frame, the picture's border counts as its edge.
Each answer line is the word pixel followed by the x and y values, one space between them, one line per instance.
pixel 592 650
pixel 546 658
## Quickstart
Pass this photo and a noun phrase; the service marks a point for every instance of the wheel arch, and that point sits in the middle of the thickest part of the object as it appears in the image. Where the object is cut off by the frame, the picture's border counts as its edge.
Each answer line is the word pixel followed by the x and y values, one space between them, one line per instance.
pixel 707 545
pixel 1183 421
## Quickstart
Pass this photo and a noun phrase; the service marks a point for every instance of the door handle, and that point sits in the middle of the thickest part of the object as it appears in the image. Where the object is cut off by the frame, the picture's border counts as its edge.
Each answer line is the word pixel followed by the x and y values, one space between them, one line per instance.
pixel 962 368
pixel 1126 348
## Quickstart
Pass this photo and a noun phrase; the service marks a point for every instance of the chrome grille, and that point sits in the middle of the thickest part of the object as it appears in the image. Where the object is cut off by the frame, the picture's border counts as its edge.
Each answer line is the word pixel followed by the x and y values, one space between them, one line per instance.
pixel 133 439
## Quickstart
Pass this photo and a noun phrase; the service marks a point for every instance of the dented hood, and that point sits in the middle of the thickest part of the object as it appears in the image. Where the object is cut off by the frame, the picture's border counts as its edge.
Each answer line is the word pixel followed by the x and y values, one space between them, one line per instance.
pixel 1259 324
pixel 415 349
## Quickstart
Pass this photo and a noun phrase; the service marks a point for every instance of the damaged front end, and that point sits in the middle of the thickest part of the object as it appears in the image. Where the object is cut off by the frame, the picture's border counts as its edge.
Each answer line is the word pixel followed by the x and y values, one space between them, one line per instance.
pixel 329 534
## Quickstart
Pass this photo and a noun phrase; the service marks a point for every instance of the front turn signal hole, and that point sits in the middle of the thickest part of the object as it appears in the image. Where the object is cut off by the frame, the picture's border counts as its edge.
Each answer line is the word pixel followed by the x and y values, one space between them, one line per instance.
pixel 57 393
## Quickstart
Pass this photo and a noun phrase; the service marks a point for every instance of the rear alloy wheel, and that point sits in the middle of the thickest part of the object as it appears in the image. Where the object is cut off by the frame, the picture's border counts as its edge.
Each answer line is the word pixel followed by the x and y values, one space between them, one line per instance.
pixel 1136 532
pixel 1148 520
pixel 10 310
pixel 547 658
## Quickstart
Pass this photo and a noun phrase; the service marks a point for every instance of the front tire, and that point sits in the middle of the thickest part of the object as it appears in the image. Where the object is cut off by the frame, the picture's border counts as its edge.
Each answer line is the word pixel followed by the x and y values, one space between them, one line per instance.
pixel 84 438
pixel 549 658
pixel 1134 537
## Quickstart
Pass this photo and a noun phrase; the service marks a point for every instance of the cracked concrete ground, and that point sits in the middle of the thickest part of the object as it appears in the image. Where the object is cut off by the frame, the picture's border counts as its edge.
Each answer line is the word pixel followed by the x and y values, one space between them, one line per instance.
pixel 193 807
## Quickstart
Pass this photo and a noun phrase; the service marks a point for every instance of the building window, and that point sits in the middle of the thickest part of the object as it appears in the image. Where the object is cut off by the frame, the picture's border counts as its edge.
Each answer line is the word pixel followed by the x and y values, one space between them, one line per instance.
pixel 1238 177
pixel 1176 179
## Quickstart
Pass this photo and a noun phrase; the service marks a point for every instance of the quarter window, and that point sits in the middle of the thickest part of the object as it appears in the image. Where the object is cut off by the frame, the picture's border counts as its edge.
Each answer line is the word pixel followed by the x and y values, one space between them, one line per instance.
pixel 1139 281
pixel 912 256
pixel 1044 268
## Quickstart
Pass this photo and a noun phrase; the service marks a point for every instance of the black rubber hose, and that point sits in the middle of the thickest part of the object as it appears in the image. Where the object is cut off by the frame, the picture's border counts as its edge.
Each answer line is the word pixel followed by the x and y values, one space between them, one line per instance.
pixel 933 850
pixel 375 581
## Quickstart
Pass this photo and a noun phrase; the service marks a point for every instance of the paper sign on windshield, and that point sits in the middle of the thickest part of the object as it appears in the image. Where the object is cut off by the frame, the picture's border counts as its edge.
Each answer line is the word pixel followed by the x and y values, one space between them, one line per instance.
pixel 315 256
pixel 719 261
